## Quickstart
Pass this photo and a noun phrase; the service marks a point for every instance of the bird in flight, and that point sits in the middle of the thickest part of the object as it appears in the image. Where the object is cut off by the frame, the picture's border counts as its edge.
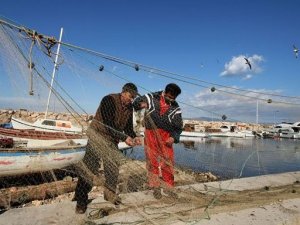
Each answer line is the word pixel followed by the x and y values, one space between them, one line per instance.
pixel 296 51
pixel 248 62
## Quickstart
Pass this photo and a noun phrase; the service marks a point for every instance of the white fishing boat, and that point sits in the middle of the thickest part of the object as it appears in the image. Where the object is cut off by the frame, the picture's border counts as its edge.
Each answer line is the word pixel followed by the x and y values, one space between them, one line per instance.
pixel 33 138
pixel 16 161
pixel 49 125
pixel 36 138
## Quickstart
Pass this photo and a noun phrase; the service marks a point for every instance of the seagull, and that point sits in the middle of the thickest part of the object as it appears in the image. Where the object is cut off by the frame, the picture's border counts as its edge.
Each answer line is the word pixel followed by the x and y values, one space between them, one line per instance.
pixel 248 62
pixel 296 51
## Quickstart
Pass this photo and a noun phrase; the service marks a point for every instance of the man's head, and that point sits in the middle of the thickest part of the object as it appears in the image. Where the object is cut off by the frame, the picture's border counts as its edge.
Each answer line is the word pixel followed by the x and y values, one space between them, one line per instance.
pixel 129 92
pixel 171 92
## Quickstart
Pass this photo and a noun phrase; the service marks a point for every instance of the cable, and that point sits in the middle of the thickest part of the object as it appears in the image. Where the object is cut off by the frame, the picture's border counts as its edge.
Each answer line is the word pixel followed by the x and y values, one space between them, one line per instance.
pixel 160 72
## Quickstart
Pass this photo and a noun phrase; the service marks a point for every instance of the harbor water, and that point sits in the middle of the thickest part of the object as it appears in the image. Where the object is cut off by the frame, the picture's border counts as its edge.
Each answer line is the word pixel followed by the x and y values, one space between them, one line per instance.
pixel 234 157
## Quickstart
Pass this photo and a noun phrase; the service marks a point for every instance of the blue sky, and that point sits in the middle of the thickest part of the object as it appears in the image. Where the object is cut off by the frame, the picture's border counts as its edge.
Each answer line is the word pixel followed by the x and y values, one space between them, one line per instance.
pixel 205 39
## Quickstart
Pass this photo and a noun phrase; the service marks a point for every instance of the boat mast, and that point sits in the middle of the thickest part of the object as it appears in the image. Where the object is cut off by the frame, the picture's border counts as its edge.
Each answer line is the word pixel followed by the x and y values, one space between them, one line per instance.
pixel 54 70
pixel 256 111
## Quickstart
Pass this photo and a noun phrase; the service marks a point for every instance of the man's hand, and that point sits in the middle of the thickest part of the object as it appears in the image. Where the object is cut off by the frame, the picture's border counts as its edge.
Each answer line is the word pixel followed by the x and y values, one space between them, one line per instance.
pixel 138 140
pixel 143 105
pixel 170 142
pixel 129 141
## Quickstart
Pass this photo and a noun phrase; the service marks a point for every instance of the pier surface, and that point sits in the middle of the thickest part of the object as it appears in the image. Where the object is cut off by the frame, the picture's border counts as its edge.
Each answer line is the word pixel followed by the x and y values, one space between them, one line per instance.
pixel 261 200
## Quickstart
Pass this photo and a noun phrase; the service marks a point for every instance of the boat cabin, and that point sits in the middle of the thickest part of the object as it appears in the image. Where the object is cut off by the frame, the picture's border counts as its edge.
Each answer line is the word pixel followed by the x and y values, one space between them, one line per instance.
pixel 193 127
pixel 56 123
pixel 228 128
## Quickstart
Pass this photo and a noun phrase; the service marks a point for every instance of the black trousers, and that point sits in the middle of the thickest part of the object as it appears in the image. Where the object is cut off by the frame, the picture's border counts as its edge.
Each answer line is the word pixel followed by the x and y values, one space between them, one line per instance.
pixel 110 156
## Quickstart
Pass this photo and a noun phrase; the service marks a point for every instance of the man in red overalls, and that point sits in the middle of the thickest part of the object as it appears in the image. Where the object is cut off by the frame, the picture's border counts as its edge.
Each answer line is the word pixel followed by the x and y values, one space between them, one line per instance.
pixel 163 123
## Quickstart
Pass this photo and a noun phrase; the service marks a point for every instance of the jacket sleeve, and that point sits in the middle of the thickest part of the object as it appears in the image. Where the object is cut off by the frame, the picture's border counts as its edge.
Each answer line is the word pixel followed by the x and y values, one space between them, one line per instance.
pixel 177 125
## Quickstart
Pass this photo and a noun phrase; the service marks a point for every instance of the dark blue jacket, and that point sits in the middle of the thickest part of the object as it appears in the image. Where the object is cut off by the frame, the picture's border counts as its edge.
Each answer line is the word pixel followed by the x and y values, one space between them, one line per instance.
pixel 170 121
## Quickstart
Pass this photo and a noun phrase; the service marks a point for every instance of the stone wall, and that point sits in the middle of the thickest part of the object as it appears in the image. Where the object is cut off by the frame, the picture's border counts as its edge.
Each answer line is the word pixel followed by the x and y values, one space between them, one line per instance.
pixel 83 120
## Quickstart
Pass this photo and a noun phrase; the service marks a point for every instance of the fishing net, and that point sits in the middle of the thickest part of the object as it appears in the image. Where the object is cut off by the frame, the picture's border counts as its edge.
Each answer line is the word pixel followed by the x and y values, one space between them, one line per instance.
pixel 204 167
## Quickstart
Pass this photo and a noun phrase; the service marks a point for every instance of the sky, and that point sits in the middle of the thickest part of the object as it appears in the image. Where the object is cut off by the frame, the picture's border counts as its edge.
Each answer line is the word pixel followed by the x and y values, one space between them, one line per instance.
pixel 205 39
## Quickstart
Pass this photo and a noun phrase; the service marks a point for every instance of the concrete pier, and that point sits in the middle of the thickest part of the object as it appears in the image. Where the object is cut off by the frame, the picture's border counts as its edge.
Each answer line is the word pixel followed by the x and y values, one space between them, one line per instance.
pixel 265 200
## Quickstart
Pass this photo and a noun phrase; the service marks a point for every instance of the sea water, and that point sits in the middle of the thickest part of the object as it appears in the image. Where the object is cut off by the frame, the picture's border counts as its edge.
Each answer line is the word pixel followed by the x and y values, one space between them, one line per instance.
pixel 234 157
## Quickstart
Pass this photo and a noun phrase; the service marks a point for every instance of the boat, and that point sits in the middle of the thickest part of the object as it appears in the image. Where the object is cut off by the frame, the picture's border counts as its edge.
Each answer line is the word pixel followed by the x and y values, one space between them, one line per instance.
pixel 30 151
pixel 193 130
pixel 49 125
pixel 282 130
pixel 17 161
pixel 24 160
pixel 292 131
pixel 193 134
pixel 191 138
pixel 280 127
pixel 248 133
pixel 276 130
pixel 227 131
pixel 35 138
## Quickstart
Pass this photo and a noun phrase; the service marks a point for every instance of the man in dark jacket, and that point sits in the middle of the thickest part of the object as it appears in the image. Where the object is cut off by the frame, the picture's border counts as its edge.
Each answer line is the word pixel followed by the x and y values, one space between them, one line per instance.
pixel 112 123
pixel 163 123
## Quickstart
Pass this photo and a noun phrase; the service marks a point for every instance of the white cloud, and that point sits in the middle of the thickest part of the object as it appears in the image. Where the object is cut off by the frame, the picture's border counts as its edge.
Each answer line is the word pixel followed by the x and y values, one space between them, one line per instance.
pixel 238 107
pixel 238 67
pixel 247 77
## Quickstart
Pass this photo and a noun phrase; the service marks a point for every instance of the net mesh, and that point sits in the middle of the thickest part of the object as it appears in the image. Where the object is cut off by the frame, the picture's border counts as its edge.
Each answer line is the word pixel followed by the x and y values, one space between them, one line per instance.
pixel 91 163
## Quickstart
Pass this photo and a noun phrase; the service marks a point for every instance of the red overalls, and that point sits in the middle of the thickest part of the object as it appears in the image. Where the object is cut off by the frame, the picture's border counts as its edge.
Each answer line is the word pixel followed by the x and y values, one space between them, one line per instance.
pixel 158 154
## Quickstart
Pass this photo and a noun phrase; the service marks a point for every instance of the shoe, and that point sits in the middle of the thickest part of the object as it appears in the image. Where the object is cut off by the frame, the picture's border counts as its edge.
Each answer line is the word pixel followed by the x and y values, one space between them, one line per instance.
pixel 112 197
pixel 157 193
pixel 80 209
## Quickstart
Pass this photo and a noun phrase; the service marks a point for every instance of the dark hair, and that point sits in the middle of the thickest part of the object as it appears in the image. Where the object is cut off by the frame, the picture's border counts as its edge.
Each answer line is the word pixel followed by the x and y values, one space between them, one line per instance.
pixel 173 89
pixel 131 88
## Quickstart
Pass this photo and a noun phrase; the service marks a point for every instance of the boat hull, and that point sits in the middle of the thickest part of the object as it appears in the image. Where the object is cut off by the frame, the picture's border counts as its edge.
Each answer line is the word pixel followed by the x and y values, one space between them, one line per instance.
pixel 33 138
pixel 194 139
pixel 293 135
pixel 193 134
pixel 228 134
pixel 16 161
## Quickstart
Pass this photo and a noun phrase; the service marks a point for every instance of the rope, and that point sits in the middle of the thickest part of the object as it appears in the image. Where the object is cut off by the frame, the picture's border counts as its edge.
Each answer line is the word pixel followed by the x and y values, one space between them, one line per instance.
pixel 159 72
pixel 50 42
